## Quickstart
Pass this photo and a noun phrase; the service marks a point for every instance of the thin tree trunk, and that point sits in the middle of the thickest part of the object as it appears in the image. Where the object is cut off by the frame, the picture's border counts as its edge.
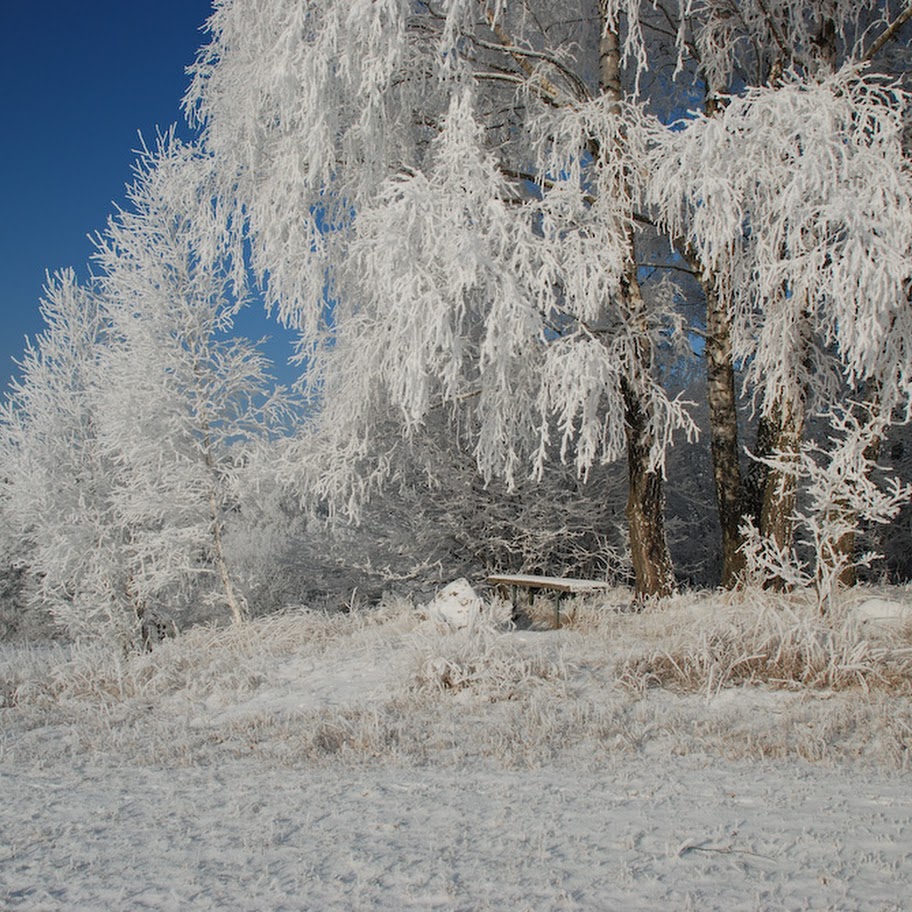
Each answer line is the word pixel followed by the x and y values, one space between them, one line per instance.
pixel 758 471
pixel 844 550
pixel 723 421
pixel 645 511
pixel 723 412
pixel 237 604
pixel 723 426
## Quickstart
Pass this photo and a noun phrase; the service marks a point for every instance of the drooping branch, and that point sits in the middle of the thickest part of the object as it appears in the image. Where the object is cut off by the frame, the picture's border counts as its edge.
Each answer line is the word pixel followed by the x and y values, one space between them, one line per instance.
pixel 521 58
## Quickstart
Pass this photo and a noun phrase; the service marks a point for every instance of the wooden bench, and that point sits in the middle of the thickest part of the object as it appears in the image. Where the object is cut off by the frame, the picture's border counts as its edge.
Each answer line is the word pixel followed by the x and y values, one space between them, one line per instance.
pixel 559 585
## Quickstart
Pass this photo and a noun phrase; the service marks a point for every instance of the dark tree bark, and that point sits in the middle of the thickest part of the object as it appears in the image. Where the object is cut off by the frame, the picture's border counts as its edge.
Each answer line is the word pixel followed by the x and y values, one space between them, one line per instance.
pixel 645 510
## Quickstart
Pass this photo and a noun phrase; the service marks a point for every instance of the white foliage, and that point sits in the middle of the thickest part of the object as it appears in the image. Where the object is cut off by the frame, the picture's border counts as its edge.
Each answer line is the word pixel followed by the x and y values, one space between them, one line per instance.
pixel 578 377
pixel 448 207
pixel 380 163
pixel 798 199
pixel 287 92
pixel 122 436
pixel 57 476
pixel 759 37
pixel 181 399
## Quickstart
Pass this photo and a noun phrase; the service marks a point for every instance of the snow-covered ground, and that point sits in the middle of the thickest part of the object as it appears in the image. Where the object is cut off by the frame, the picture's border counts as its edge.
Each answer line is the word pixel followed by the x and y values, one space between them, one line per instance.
pixel 389 760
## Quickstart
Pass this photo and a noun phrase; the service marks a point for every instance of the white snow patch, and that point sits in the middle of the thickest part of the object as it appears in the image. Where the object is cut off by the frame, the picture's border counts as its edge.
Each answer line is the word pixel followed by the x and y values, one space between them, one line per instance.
pixel 883 611
pixel 293 764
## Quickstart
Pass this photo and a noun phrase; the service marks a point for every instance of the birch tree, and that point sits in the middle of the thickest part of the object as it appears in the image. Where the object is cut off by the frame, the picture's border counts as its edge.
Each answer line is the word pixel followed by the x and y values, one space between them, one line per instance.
pixel 788 195
pixel 181 396
pixel 450 202
pixel 457 180
pixel 57 476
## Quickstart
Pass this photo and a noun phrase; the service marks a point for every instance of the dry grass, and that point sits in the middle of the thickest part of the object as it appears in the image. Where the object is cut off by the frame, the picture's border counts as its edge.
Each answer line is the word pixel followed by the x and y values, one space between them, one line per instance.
pixel 743 676
pixel 204 660
pixel 755 638
pixel 485 659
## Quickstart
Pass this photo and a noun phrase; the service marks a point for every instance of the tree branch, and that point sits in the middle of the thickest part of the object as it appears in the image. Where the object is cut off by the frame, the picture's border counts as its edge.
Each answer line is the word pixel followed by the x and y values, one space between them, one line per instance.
pixel 544 84
pixel 774 28
pixel 890 32
pixel 515 52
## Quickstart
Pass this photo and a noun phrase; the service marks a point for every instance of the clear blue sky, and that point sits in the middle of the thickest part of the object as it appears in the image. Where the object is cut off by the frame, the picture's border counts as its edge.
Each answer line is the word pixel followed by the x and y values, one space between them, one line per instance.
pixel 79 79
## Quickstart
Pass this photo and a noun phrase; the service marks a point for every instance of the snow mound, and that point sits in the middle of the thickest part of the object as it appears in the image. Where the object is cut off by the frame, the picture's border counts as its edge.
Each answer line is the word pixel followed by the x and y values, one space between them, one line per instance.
pixel 456 606
pixel 883 611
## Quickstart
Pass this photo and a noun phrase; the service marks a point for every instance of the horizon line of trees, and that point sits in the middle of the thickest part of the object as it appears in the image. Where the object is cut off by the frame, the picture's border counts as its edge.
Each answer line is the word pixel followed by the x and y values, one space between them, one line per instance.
pixel 498 227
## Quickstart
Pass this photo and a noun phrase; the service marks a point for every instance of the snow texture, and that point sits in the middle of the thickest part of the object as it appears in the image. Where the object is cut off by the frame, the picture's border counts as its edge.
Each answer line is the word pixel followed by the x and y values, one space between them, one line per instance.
pixel 683 833
pixel 884 611
pixel 310 763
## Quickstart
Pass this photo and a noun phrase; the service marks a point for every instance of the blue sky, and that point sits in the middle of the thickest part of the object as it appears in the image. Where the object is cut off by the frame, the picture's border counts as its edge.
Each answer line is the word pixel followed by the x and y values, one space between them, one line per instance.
pixel 80 78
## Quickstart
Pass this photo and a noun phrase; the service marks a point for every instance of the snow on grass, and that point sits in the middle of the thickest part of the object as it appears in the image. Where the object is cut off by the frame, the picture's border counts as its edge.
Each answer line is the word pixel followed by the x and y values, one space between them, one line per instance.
pixel 722 752
pixel 783 642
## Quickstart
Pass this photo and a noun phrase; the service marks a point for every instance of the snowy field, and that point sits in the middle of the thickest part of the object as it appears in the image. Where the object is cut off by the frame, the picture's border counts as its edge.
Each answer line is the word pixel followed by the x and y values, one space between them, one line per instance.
pixel 717 754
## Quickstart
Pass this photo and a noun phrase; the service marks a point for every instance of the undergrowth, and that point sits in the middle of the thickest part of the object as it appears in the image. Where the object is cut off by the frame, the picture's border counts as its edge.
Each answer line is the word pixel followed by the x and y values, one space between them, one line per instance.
pixel 746 675
pixel 483 659
pixel 782 642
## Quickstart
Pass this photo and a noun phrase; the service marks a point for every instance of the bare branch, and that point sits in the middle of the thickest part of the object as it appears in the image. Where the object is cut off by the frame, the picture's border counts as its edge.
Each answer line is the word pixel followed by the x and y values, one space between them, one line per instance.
pixel 890 32
pixel 581 89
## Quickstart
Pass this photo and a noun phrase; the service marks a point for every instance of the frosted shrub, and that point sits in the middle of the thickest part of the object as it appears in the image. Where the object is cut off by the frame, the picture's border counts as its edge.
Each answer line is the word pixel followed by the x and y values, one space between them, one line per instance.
pixel 841 491
pixel 480 659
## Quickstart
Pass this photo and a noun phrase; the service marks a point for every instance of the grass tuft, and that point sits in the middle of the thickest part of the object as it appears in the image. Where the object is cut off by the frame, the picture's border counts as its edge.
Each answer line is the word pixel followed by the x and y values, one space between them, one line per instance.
pixel 775 641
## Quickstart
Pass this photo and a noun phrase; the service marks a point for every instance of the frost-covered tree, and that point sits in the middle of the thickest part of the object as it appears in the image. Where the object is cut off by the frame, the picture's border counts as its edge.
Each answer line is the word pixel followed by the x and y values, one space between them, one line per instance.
pixel 443 199
pixel 123 434
pixel 789 193
pixel 181 397
pixel 840 489
pixel 57 476
pixel 449 201
pixel 437 518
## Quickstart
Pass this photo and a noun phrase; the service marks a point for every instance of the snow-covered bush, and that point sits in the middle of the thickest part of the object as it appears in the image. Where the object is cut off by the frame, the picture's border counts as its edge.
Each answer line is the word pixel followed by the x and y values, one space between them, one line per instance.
pixel 180 398
pixel 58 477
pixel 841 490
pixel 123 432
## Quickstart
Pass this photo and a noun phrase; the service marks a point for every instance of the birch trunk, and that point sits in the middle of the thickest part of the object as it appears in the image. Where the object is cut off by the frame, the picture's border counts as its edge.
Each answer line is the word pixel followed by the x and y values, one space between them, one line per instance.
pixel 770 493
pixel 845 549
pixel 723 423
pixel 645 510
pixel 237 605
pixel 780 490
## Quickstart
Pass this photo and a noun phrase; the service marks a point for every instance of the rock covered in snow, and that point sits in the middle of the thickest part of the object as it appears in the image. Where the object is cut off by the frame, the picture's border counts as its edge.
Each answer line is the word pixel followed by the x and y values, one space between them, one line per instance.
pixel 456 605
